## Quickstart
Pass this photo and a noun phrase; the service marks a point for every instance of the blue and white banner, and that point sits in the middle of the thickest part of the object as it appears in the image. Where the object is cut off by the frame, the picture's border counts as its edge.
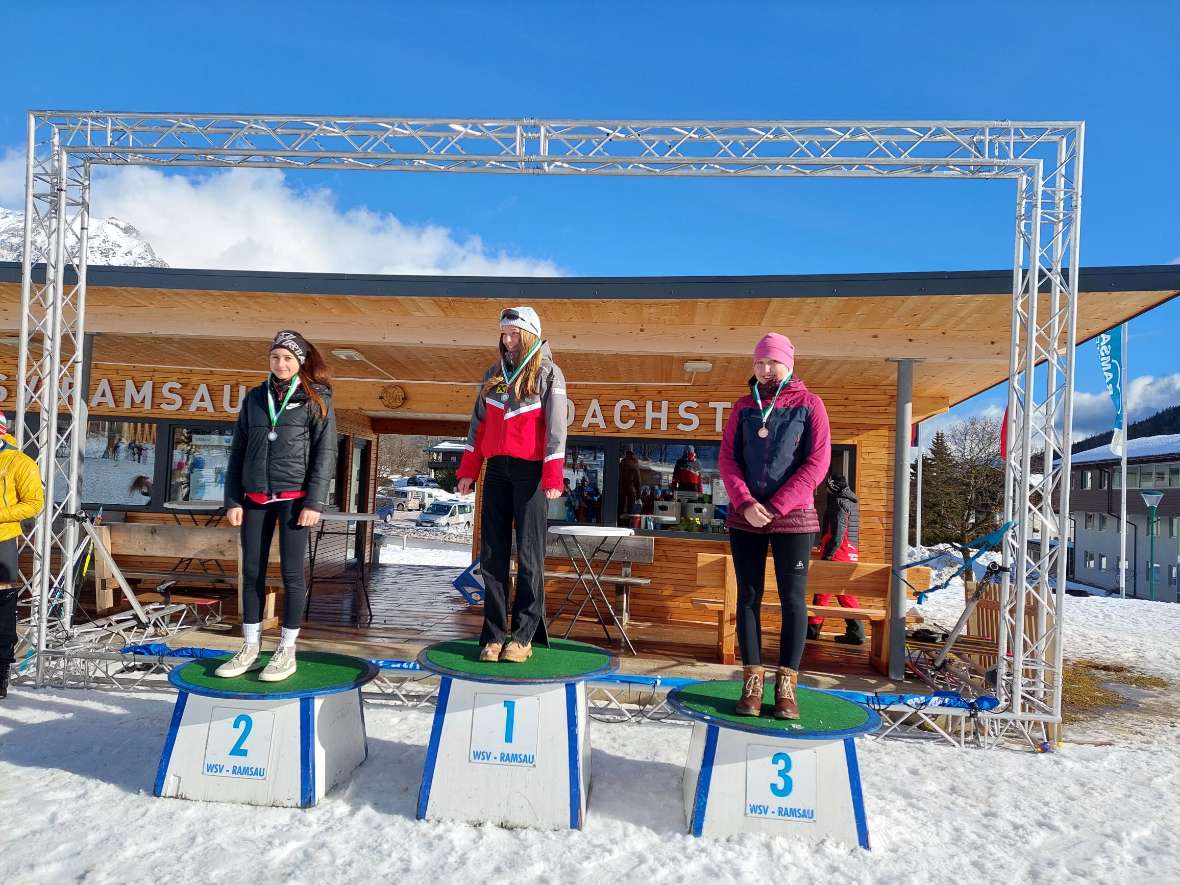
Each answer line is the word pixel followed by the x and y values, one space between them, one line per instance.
pixel 1110 360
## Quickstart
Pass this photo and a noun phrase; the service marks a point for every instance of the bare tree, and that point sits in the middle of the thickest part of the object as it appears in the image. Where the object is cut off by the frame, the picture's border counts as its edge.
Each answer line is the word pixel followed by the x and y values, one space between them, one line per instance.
pixel 978 487
pixel 403 455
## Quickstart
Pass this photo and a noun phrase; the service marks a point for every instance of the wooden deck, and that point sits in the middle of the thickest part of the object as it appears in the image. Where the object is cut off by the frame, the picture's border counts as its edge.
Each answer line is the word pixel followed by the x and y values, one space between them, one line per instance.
pixel 415 605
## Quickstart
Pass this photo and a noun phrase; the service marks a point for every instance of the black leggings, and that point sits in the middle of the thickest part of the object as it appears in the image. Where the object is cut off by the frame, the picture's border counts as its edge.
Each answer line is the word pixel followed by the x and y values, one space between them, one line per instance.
pixel 512 496
pixel 8 572
pixel 258 529
pixel 792 557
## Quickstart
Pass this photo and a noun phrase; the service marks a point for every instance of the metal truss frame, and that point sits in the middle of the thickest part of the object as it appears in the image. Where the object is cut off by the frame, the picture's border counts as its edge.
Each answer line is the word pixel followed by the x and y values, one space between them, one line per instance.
pixel 1043 159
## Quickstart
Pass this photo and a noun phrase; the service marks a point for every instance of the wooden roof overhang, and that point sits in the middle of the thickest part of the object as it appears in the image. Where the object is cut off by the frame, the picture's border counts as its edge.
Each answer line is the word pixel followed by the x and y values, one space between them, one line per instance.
pixel 433 336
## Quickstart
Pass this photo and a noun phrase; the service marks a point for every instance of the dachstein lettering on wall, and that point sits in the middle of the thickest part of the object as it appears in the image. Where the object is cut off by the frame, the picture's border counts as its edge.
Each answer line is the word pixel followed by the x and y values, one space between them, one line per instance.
pixel 658 415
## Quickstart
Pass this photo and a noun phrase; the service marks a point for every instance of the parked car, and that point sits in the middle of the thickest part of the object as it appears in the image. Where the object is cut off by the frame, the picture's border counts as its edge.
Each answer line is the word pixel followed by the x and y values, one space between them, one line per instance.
pixel 408 498
pixel 447 514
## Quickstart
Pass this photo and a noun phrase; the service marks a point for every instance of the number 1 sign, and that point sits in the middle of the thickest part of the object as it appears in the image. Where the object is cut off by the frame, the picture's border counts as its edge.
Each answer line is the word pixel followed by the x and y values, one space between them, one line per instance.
pixel 504 730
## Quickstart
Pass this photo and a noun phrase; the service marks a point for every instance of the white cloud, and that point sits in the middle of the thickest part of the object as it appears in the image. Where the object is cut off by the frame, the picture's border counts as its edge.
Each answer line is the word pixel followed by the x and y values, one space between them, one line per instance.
pixel 1146 395
pixel 12 179
pixel 259 219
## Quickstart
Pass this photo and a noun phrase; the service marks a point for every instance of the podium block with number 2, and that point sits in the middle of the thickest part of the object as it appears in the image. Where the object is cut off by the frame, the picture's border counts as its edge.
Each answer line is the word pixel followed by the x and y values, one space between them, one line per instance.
pixel 258 744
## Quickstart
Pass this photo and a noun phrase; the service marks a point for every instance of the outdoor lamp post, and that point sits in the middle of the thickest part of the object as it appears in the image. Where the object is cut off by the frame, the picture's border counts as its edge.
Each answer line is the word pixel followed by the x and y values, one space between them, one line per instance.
pixel 1152 500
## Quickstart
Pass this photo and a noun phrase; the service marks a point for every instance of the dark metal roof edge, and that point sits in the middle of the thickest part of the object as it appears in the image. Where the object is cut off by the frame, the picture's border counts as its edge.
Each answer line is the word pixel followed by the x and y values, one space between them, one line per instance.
pixel 1165 277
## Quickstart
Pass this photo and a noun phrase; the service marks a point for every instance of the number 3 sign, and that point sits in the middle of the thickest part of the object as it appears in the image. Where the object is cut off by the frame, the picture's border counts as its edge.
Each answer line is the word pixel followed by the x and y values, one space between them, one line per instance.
pixel 780 784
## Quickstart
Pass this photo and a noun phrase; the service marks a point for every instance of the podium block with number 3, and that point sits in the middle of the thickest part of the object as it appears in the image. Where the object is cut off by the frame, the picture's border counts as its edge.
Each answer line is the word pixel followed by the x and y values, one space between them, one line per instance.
pixel 759 775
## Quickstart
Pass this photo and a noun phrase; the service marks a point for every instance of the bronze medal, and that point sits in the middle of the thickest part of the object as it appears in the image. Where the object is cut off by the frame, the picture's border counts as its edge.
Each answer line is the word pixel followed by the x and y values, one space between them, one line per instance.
pixel 763 432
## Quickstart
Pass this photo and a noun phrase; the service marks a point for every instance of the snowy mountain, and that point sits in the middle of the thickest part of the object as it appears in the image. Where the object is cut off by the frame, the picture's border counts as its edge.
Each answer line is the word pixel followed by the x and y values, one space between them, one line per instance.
pixel 111 241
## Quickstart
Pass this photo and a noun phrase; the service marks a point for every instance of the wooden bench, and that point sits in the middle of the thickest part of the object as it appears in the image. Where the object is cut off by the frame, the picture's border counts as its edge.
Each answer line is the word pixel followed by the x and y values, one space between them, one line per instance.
pixel 868 581
pixel 150 541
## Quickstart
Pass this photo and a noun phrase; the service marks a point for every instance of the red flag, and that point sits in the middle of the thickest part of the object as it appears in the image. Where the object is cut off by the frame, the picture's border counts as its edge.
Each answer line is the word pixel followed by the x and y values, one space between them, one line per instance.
pixel 1004 436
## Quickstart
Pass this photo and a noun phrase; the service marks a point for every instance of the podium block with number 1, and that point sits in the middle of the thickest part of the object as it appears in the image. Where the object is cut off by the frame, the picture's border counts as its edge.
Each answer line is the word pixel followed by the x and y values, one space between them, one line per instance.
pixel 510 743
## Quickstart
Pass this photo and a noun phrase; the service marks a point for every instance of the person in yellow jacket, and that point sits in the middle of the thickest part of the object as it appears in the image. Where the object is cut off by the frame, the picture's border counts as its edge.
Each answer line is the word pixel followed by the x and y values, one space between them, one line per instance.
pixel 21 497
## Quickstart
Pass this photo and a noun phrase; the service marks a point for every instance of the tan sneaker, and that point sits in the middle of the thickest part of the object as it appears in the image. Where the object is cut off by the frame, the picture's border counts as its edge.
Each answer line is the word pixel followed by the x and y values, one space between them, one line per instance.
pixel 491 651
pixel 750 703
pixel 245 660
pixel 517 652
pixel 280 666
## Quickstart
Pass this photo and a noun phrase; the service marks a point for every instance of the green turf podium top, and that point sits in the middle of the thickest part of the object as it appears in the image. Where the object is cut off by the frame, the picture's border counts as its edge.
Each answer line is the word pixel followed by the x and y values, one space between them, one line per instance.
pixel 822 716
pixel 316 673
pixel 562 661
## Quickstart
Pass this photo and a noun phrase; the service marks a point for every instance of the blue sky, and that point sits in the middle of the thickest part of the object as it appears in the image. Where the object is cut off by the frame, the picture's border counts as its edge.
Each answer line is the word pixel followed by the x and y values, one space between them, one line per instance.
pixel 1114 68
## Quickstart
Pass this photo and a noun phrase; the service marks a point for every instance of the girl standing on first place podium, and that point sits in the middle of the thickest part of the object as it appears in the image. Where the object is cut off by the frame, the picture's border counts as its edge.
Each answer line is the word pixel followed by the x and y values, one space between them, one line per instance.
pixel 518 426
pixel 281 464
pixel 774 454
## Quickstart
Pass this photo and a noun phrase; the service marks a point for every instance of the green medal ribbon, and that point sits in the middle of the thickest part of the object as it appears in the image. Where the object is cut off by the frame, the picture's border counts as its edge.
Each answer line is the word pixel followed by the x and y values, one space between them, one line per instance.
pixel 509 378
pixel 758 399
pixel 270 401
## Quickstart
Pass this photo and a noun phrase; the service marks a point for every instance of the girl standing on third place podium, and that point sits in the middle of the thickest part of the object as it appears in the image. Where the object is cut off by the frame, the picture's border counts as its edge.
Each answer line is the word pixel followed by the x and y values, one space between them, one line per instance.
pixel 281 464
pixel 518 426
pixel 774 454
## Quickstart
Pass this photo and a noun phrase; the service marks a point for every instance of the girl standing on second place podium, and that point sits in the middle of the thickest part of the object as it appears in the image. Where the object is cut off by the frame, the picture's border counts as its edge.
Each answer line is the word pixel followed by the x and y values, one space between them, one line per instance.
pixel 774 454
pixel 281 464
pixel 518 426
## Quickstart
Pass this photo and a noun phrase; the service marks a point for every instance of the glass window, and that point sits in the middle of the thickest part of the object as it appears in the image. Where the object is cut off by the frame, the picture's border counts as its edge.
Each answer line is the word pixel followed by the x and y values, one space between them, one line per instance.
pixel 1161 477
pixel 1101 522
pixel 200 457
pixel 1087 479
pixel 671 487
pixel 1103 562
pixel 1146 477
pixel 1088 558
pixel 119 466
pixel 1132 477
pixel 1089 522
pixel 1173 476
pixel 1101 479
pixel 1172 575
pixel 1116 479
pixel 1174 527
pixel 581 499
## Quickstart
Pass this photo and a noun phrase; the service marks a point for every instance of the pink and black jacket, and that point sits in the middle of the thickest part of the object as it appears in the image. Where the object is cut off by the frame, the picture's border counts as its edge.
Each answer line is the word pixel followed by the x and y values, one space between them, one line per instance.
pixel 532 429
pixel 783 470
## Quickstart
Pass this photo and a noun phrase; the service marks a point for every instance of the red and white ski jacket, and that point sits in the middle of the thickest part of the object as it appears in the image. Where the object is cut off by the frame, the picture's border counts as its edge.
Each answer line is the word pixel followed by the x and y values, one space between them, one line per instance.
pixel 532 429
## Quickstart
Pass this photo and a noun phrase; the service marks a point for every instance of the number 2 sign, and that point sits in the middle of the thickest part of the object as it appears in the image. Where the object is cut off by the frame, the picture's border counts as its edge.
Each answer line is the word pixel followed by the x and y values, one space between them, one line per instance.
pixel 238 744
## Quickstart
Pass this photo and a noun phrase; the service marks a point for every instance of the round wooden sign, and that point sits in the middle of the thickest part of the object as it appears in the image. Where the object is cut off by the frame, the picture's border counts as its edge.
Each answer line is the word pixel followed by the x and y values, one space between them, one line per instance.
pixel 392 396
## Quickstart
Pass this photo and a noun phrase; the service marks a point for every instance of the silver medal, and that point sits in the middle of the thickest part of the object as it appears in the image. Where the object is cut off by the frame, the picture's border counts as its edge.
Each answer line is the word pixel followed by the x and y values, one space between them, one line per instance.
pixel 273 435
pixel 763 432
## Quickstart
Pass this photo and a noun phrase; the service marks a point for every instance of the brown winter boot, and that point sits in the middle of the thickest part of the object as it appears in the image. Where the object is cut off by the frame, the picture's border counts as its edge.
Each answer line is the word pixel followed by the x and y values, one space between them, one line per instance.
pixel 786 706
pixel 750 703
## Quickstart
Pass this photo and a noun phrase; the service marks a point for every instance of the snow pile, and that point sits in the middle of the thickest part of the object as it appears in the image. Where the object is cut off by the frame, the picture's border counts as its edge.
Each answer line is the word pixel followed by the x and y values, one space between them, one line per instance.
pixel 109 241
pixel 76 771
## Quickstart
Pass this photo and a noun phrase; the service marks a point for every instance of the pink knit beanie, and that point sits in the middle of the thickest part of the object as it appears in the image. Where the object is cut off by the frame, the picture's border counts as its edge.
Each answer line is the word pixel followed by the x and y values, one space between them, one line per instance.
pixel 776 347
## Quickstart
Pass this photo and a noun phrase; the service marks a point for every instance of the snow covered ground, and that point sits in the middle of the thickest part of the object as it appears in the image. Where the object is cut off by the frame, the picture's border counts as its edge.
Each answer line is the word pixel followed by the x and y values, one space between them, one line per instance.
pixel 76 770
